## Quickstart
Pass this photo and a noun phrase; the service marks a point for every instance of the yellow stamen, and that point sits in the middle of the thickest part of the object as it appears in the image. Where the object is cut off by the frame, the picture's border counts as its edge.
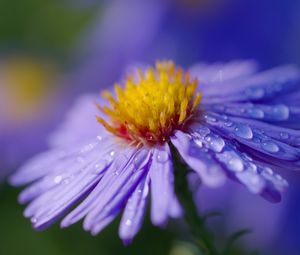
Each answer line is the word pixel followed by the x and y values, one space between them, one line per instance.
pixel 150 109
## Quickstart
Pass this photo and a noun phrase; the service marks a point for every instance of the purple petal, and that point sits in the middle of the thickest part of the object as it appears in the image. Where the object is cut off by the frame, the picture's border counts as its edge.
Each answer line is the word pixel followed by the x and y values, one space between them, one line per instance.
pixel 261 86
pixel 80 124
pixel 55 202
pixel 198 159
pixel 57 162
pixel 211 76
pixel 116 194
pixel 119 164
pixel 256 141
pixel 239 166
pixel 162 185
pixel 134 212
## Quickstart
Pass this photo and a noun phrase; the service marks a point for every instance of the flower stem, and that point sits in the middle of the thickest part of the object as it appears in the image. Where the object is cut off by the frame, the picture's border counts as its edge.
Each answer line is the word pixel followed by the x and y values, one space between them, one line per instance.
pixel 202 237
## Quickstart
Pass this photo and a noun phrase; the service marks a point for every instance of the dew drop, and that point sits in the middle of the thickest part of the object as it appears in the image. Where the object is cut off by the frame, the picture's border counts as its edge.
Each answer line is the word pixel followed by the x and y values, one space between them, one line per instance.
pixel 270 146
pixel 162 156
pixel 112 153
pixel 278 177
pixel 252 168
pixel 255 179
pixel 58 179
pixel 34 220
pixel 284 135
pixel 228 123
pixel 256 113
pixel 66 181
pixel 243 131
pixel 203 131
pixel 128 223
pixel 268 170
pixel 100 166
pixel 255 92
pixel 281 112
pixel 198 142
pixel 217 144
pixel 208 138
pixel 99 137
pixel 235 164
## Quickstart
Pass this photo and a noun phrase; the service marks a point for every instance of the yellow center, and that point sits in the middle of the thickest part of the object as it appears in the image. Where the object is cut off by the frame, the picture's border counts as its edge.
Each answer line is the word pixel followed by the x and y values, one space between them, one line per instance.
pixel 25 86
pixel 151 106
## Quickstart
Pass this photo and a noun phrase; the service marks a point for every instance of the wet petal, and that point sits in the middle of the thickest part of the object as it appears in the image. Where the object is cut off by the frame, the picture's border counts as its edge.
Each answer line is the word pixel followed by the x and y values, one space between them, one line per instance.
pixel 134 212
pixel 118 167
pixel 262 86
pixel 162 185
pixel 239 166
pixel 118 191
pixel 56 162
pixel 198 158
pixel 211 76
pixel 258 142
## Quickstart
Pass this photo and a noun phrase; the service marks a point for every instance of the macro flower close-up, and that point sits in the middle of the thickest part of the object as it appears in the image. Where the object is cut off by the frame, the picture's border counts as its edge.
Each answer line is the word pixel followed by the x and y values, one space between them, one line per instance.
pixel 150 127
pixel 117 151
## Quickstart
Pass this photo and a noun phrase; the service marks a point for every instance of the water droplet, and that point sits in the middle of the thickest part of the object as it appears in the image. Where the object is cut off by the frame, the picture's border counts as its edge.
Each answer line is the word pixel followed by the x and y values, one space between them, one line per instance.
pixel 217 144
pixel 112 153
pixel 281 112
pixel 116 173
pixel 66 181
pixel 255 179
pixel 58 179
pixel 268 170
pixel 100 166
pixel 208 138
pixel 255 92
pixel 284 135
pixel 228 123
pixel 162 156
pixel 128 223
pixel 270 146
pixel 236 164
pixel 33 220
pixel 256 113
pixel 243 131
pixel 99 137
pixel 210 119
pixel 252 168
pixel 198 141
pixel 203 131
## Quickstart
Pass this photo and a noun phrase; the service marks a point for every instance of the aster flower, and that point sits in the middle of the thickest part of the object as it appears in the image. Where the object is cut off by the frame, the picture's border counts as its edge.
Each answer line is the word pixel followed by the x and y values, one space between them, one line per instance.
pixel 222 121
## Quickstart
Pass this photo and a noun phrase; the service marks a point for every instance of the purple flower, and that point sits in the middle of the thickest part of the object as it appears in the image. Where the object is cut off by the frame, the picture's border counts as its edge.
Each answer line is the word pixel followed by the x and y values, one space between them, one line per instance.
pixel 26 92
pixel 225 120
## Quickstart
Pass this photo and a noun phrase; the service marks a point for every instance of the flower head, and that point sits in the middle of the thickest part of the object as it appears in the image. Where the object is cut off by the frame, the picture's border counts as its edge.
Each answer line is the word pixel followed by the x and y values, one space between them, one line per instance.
pixel 239 129
pixel 26 90
pixel 165 99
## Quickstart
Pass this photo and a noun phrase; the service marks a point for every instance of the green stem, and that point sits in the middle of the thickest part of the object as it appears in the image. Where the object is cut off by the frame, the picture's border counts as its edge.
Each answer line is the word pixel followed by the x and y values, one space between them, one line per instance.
pixel 201 235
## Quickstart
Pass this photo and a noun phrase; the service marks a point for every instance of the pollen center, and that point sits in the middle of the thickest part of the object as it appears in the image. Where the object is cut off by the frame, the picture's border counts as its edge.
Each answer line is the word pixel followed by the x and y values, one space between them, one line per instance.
pixel 151 104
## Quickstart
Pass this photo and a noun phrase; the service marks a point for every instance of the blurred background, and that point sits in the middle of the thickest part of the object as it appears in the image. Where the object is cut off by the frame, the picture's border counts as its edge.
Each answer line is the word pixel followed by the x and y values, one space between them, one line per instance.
pixel 51 51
